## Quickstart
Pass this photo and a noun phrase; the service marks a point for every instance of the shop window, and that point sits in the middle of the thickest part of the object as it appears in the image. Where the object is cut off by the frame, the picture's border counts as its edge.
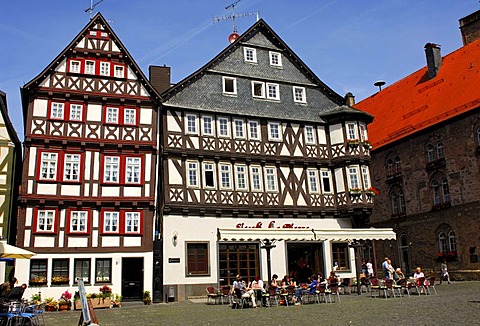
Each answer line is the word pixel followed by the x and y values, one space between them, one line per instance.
pixel 60 271
pixel 103 270
pixel 340 256
pixel 82 270
pixel 197 259
pixel 38 272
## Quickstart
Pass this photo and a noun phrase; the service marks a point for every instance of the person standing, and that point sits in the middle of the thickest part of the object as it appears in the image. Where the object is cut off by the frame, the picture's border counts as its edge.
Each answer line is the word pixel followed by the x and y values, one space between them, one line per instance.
pixel 444 271
pixel 370 269
pixel 385 268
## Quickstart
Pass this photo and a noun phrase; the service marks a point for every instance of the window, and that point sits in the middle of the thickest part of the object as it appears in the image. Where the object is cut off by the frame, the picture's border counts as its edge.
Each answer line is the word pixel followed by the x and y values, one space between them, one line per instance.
pixel 48 166
pixel 207 125
pixel 440 152
pixel 274 131
pixel 250 55
pixel 313 181
pixel 299 95
pixel 239 128
pixel 38 271
pixel 90 67
pixel 275 59
pixel 82 270
pixel 191 120
pixel 326 181
pixel 394 200
pixel 340 256
pixel 104 68
pixel 452 241
pixel 103 270
pixel 430 153
pixel 401 201
pixel 273 92
pixel 389 167
pixel 397 200
pixel 192 173
pixel 363 132
pixel 309 135
pixel 71 167
pixel 121 115
pixel 119 71
pixel 76 112
pixel 365 177
pixel 253 130
pixel 271 176
pixel 478 136
pixel 112 115
pixel 57 110
pixel 98 34
pixel 258 89
pixel 353 178
pixel 110 222
pixel 129 116
pixel 397 167
pixel 122 169
pixel 223 130
pixel 440 192
pixel 445 191
pixel 132 170
pixel 111 169
pixel 60 272
pixel 75 66
pixel 442 241
pixel 351 131
pixel 78 221
pixel 132 222
pixel 241 177
pixel 45 220
pixel 226 176
pixel 197 259
pixel 256 178
pixel 229 85
pixel 209 175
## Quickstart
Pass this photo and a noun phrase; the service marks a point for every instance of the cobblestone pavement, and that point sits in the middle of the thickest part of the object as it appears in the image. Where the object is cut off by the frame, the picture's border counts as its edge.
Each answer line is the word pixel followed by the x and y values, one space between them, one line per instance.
pixel 455 304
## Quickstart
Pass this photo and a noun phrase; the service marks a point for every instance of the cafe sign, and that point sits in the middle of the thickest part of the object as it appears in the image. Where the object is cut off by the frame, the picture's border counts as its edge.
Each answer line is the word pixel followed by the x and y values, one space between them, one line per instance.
pixel 270 225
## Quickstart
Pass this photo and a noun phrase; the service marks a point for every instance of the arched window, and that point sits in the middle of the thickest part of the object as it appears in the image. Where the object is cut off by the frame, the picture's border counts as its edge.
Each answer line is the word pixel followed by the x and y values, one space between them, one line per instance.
pixel 442 243
pixel 436 193
pixel 404 248
pixel 394 200
pixel 452 241
pixel 445 191
pixel 401 202
pixel 440 152
pixel 397 168
pixel 389 167
pixel 478 136
pixel 430 153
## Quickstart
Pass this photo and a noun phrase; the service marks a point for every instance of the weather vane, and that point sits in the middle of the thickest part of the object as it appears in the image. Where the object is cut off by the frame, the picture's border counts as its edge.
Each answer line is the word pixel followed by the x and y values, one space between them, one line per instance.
pixel 232 37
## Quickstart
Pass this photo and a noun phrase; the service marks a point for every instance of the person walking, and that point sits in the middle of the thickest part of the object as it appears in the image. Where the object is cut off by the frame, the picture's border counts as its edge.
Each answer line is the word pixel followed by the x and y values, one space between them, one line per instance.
pixel 444 271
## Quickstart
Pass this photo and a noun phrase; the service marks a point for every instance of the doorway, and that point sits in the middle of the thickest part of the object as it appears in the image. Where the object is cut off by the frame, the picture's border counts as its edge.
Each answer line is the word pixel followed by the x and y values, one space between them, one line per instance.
pixel 132 278
pixel 304 259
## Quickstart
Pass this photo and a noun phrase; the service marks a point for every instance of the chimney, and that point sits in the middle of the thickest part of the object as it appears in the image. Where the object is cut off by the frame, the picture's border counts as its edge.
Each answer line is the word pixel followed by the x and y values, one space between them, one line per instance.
pixel 470 27
pixel 349 99
pixel 159 77
pixel 434 59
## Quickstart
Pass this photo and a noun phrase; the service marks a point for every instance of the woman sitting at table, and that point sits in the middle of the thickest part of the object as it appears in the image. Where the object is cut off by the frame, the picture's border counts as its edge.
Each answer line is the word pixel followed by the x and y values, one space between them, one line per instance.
pixel 332 278
pixel 306 289
pixel 242 292
pixel 274 281
pixel 257 286
pixel 398 276
pixel 418 273
pixel 287 281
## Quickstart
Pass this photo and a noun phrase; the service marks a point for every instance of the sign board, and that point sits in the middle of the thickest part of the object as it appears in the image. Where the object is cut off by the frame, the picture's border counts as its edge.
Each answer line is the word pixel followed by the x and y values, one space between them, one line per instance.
pixel 174 260
pixel 88 316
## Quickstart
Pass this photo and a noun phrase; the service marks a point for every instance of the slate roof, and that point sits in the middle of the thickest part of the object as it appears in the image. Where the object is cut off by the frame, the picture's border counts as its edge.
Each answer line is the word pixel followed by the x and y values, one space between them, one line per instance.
pixel 416 102
pixel 202 90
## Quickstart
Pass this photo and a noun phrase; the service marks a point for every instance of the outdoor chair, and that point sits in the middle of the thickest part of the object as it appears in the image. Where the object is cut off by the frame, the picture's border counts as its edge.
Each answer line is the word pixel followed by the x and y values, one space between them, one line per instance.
pixel 333 291
pixel 273 295
pixel 431 284
pixel 344 285
pixel 376 287
pixel 213 295
pixel 320 293
pixel 389 287
pixel 420 286
pixel 225 294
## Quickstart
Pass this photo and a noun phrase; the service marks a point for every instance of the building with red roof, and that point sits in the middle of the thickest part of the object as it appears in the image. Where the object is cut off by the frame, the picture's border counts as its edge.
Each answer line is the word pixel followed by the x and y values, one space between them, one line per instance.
pixel 426 159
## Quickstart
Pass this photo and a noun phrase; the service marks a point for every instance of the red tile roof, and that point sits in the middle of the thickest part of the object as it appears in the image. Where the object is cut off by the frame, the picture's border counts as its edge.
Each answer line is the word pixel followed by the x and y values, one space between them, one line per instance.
pixel 417 102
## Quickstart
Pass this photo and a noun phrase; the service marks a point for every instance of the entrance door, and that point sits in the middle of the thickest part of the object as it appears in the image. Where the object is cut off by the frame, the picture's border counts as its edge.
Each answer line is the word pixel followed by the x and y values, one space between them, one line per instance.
pixel 132 278
pixel 304 259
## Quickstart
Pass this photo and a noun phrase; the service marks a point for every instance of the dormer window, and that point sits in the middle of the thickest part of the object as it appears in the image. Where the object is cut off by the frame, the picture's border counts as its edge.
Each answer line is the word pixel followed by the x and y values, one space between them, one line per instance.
pixel 250 55
pixel 275 59
pixel 229 85
pixel 299 95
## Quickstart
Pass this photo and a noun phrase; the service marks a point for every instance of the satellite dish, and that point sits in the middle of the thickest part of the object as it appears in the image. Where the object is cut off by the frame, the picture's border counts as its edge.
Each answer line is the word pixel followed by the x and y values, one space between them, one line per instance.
pixel 379 84
pixel 233 37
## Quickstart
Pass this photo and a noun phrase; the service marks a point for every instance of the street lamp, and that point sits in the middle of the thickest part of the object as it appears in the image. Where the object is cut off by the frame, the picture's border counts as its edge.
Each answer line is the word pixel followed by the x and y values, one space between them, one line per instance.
pixel 355 244
pixel 268 245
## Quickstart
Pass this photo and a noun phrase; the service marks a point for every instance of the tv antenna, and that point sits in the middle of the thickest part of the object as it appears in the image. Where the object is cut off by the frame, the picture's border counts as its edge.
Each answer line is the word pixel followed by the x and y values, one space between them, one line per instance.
pixel 232 17
pixel 92 6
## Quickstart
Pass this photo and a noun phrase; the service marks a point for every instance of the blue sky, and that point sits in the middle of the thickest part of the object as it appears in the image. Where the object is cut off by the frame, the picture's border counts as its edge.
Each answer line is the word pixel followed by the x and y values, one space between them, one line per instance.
pixel 348 44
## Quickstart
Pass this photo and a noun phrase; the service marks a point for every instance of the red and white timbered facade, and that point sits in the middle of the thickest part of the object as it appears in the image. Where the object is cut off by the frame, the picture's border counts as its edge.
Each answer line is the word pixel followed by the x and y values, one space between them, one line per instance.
pixel 88 192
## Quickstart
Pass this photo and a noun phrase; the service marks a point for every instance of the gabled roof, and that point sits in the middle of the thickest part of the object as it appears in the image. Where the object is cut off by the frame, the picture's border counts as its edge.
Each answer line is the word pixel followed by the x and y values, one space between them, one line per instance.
pixel 416 102
pixel 205 95
pixel 97 19
pixel 6 118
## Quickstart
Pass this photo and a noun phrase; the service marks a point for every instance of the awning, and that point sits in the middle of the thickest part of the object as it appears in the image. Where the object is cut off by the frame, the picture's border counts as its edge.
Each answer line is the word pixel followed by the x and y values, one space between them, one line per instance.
pixel 307 234
pixel 9 251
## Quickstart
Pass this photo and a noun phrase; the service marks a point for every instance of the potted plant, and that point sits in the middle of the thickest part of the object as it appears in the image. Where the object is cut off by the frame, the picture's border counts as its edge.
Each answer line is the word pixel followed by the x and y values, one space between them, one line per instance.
pixel 36 298
pixel 38 281
pixel 65 303
pixel 147 299
pixel 117 300
pixel 50 304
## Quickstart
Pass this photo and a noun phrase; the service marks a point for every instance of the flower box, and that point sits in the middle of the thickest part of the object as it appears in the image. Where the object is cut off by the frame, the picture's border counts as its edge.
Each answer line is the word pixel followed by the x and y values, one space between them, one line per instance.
pixel 97 303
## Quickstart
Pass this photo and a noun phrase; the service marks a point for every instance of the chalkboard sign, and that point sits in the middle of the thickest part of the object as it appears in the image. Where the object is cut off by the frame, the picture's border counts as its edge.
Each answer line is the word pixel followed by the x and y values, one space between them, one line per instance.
pixel 88 316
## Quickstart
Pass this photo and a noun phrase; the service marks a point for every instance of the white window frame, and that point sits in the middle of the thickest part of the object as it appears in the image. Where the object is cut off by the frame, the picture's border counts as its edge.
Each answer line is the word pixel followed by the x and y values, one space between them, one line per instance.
pixel 253 130
pixel 352 133
pixel 130 116
pixel 89 67
pixel 75 66
pixel 365 177
pixel 46 220
pixel 191 124
pixel 78 221
pixel 250 55
pixel 208 125
pixel 256 184
pixel 133 170
pixel 239 128
pixel 271 183
pixel 309 132
pixel 71 167
pixel 111 169
pixel 326 176
pixel 222 121
pixel 192 174
pixel 363 131
pixel 76 112
pixel 272 91
pixel 274 131
pixel 225 171
pixel 313 184
pixel 49 166
pixel 112 115
pixel 241 181
pixel 224 84
pixel 299 94
pixel 209 167
pixel 111 222
pixel 119 71
pixel 57 110
pixel 261 86
pixel 353 179
pixel 275 58
pixel 132 222
pixel 104 68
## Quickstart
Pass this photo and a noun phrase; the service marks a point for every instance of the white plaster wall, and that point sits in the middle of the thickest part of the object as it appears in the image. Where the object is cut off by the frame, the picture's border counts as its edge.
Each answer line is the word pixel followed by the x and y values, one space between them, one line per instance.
pixel 339 181
pixel 336 134
pixel 40 108
pixel 46 189
pixel 146 115
pixel 94 112
pixel 70 190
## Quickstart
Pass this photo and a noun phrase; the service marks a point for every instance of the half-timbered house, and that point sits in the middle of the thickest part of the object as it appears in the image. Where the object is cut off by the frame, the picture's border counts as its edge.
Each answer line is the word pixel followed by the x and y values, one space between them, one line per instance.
pixel 89 173
pixel 257 150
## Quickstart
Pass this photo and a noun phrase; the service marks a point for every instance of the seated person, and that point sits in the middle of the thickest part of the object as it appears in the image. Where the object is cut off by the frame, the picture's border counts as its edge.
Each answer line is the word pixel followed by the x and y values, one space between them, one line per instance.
pixel 6 287
pixel 257 286
pixel 17 293
pixel 308 289
pixel 332 278
pixel 242 292
pixel 418 273
pixel 398 276
pixel 287 281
